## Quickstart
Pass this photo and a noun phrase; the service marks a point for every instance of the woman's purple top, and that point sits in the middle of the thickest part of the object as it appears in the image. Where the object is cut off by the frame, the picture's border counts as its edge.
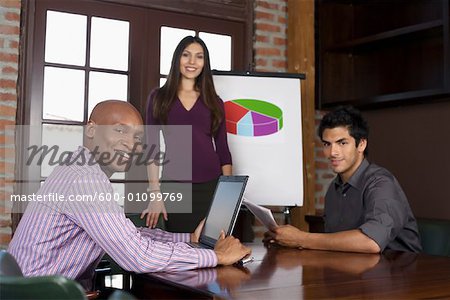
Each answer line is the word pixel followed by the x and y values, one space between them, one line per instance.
pixel 207 160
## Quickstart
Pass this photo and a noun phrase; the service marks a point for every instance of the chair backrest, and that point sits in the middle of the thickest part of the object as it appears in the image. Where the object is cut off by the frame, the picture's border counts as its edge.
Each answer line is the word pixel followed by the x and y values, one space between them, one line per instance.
pixel 14 286
pixel 435 236
pixel 43 287
pixel 8 265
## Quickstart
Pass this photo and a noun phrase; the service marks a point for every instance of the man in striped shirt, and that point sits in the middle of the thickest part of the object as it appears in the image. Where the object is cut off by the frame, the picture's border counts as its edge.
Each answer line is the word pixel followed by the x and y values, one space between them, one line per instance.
pixel 70 237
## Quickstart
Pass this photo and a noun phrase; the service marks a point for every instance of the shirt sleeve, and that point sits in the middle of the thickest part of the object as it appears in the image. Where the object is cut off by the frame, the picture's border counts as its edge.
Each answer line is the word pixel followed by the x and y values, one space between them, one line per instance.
pixel 106 224
pixel 164 236
pixel 220 140
pixel 385 214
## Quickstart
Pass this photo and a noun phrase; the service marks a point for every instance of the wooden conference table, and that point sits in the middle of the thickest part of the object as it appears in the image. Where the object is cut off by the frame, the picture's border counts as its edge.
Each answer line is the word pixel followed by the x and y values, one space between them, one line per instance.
pixel 281 273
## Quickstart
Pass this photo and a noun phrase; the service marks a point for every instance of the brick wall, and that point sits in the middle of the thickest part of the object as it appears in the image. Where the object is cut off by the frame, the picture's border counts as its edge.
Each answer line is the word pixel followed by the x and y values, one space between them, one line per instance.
pixel 270 37
pixel 270 55
pixel 9 53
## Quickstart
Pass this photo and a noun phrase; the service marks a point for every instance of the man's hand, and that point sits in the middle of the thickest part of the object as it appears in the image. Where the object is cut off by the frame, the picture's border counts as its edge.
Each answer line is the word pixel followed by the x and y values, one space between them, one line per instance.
pixel 349 240
pixel 196 234
pixel 153 210
pixel 229 250
pixel 285 235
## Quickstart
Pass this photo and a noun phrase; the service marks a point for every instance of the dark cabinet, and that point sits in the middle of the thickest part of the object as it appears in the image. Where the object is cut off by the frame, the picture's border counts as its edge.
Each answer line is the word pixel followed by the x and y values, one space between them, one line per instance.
pixel 379 52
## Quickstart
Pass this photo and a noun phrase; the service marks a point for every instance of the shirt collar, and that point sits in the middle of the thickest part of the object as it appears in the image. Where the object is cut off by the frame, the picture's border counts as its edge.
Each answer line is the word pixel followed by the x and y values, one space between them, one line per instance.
pixel 89 159
pixel 82 151
pixel 356 179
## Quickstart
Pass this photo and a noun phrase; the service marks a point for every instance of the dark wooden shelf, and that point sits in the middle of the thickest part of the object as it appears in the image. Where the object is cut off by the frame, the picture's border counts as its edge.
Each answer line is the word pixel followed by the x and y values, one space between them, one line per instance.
pixel 378 53
pixel 392 99
pixel 388 35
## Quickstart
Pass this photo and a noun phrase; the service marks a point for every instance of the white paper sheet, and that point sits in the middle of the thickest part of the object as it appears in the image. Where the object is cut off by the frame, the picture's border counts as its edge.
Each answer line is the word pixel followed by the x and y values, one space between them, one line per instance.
pixel 262 213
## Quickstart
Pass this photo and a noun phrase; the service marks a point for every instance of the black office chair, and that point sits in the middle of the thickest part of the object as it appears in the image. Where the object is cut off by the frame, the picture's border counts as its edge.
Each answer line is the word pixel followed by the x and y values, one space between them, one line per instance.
pixel 435 236
pixel 14 286
pixel 43 287
pixel 8 265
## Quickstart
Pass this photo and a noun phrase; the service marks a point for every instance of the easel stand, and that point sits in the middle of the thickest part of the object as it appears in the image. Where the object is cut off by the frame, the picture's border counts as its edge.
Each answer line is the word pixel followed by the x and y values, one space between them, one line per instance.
pixel 287 214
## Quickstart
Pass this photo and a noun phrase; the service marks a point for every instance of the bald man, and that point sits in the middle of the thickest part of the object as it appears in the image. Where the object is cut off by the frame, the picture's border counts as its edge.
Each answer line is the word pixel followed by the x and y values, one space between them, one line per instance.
pixel 70 237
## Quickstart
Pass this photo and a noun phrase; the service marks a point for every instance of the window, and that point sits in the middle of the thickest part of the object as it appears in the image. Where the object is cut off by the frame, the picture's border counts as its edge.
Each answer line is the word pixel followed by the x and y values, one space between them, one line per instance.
pixel 83 64
pixel 70 61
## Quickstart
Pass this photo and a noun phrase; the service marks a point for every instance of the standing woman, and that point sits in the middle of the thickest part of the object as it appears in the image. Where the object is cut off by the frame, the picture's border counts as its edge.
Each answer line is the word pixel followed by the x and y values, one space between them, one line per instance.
pixel 189 98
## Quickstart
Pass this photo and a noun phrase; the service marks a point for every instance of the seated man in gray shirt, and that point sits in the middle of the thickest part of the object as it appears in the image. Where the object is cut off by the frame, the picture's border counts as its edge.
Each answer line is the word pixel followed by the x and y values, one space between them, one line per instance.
pixel 366 210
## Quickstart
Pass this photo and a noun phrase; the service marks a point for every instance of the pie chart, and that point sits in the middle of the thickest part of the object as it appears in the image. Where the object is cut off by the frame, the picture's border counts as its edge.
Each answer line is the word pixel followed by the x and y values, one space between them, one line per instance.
pixel 251 117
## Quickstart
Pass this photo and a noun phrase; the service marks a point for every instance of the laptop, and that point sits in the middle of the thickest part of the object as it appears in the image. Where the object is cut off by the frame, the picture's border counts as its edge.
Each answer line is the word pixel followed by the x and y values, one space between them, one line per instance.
pixel 224 209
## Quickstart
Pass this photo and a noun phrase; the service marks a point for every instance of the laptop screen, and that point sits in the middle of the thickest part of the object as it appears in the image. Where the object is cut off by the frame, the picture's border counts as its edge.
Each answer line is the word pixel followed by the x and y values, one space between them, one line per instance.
pixel 224 207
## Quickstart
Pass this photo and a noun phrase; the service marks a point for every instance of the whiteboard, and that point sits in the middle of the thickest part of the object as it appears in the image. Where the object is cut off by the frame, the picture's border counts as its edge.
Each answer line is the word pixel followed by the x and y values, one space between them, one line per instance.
pixel 264 129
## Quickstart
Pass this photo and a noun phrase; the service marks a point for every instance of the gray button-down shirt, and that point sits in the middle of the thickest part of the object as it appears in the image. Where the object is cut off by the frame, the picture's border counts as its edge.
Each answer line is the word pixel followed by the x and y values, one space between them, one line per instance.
pixel 373 201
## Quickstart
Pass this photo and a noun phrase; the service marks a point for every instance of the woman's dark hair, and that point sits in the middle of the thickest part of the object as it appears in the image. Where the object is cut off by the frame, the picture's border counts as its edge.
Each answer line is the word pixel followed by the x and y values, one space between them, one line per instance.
pixel 204 84
pixel 350 118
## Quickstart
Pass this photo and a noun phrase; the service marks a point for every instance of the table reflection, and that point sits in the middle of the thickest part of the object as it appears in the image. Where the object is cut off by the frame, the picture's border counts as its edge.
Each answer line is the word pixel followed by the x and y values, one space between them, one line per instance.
pixel 279 271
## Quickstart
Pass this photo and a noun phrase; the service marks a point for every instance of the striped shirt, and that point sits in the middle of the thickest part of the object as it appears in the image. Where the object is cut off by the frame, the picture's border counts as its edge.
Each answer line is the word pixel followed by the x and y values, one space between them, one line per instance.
pixel 70 237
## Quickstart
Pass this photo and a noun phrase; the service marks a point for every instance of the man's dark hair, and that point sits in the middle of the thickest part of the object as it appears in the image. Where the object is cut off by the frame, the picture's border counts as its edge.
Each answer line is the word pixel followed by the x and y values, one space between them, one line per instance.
pixel 349 117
